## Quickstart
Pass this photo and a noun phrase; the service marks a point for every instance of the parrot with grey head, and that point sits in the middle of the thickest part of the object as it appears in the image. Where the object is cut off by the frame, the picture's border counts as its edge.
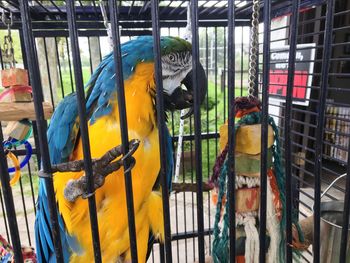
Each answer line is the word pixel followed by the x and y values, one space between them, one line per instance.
pixel 65 145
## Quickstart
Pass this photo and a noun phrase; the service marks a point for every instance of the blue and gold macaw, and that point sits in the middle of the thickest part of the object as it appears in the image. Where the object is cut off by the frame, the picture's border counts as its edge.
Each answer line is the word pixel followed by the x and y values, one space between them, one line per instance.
pixel 104 132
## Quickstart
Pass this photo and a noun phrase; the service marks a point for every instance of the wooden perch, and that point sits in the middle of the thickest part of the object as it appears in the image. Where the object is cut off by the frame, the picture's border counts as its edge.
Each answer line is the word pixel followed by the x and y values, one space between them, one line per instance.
pixel 10 111
pixel 189 187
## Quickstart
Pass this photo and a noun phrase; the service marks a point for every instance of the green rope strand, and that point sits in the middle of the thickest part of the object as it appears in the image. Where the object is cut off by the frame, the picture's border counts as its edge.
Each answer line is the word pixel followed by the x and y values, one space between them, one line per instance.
pixel 220 248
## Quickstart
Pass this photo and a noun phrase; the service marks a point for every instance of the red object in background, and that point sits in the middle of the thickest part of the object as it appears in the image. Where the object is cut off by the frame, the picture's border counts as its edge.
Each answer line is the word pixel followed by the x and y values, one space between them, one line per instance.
pixel 278 83
pixel 240 259
pixel 7 254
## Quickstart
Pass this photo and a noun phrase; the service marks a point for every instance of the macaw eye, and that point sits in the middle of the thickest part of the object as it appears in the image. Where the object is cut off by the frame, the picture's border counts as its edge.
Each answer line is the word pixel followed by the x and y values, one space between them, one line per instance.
pixel 172 58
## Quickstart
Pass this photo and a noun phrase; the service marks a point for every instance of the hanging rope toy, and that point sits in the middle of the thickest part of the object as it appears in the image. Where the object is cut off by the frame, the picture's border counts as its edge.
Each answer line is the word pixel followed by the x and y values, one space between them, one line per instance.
pixel 247 189
pixel 247 186
pixel 7 253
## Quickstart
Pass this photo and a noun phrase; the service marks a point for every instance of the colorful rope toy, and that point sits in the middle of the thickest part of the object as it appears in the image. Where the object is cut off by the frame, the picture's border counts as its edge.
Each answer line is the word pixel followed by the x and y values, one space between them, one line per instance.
pixel 7 254
pixel 247 185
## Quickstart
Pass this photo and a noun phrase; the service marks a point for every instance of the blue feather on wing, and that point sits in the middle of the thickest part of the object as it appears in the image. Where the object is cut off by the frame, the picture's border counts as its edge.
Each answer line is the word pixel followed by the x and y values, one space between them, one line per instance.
pixel 61 139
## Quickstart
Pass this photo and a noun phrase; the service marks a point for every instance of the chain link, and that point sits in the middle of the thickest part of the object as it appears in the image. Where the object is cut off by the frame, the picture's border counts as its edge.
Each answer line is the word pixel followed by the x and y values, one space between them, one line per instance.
pixel 254 48
pixel 8 52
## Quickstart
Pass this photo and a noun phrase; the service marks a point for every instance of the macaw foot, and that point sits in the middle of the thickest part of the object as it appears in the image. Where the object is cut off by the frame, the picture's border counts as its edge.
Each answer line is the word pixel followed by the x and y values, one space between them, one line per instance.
pixel 100 167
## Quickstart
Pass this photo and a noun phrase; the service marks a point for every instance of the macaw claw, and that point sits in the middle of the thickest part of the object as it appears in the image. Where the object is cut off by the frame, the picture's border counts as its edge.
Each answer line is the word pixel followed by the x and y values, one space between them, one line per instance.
pixel 101 168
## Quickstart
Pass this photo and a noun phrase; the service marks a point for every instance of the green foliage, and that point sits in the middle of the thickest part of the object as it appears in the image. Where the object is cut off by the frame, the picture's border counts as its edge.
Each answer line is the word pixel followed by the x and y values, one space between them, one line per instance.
pixel 216 59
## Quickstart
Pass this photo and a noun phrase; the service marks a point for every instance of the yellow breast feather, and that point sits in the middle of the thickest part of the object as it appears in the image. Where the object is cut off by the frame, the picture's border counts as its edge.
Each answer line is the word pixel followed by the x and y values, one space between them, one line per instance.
pixel 104 134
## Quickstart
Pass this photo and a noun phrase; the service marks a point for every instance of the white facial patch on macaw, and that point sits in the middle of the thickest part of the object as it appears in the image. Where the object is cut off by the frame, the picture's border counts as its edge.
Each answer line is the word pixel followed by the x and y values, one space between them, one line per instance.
pixel 175 67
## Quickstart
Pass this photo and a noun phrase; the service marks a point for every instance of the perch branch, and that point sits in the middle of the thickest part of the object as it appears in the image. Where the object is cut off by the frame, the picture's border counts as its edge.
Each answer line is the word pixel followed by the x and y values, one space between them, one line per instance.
pixel 189 187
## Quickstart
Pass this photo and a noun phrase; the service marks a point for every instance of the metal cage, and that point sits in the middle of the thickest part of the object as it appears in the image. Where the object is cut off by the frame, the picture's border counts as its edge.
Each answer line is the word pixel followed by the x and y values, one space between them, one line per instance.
pixel 314 128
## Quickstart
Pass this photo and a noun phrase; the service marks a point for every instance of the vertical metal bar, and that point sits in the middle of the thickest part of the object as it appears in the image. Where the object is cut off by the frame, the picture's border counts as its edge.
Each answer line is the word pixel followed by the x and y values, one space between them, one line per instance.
pixel 177 228
pixel 113 11
pixel 74 41
pixel 36 142
pixel 224 75
pixel 59 67
pixel 344 234
pixel 161 126
pixel 216 86
pixel 41 124
pixel 48 73
pixel 288 125
pixel 25 210
pixel 242 36
pixel 231 56
pixel 1 59
pixel 99 48
pixel 70 66
pixel 31 186
pixel 264 130
pixel 184 199
pixel 161 253
pixel 207 99
pixel 90 56
pixel 192 194
pixel 4 215
pixel 9 204
pixel 327 50
pixel 176 200
pixel 197 128
pixel 207 128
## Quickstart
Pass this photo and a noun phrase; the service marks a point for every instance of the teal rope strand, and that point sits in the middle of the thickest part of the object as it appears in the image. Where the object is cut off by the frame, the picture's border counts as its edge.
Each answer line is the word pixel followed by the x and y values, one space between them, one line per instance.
pixel 220 248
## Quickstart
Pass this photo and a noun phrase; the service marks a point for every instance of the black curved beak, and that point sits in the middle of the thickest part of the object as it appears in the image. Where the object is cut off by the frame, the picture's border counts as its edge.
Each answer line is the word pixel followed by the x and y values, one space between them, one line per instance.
pixel 183 99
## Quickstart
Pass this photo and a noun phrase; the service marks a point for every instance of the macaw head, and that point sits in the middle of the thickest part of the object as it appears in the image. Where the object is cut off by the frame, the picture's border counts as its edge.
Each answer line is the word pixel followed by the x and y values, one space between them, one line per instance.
pixel 176 70
pixel 177 75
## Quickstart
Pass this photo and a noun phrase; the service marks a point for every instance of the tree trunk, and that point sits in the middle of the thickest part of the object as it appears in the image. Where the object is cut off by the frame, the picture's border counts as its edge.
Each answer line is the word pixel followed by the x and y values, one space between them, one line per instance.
pixel 95 52
pixel 48 68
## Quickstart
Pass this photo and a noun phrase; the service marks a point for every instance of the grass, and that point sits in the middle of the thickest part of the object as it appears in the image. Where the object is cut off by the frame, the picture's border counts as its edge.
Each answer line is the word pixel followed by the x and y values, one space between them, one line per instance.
pixel 25 180
pixel 68 82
